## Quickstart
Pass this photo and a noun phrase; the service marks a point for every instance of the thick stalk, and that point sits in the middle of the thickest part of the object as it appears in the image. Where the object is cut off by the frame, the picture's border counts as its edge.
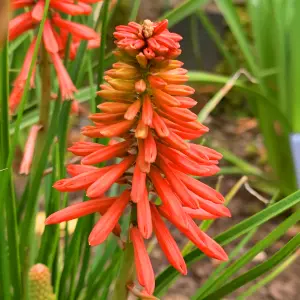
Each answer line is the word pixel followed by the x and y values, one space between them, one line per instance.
pixel 46 90
pixel 44 108
pixel 126 274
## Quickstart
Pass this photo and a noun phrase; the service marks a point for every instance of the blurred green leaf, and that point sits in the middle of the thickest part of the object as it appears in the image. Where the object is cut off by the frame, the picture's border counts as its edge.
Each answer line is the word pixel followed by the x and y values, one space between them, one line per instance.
pixel 293 76
pixel 214 35
pixel 14 45
pixel 182 11
pixel 51 234
pixel 263 282
pixel 134 10
pixel 266 17
pixel 208 78
pixel 232 255
pixel 232 19
pixel 5 291
pixel 257 271
pixel 109 270
pixel 104 25
pixel 165 279
pixel 248 256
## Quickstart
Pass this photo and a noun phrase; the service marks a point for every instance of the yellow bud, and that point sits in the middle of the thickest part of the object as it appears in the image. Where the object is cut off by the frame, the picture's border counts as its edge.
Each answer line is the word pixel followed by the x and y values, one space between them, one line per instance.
pixel 142 60
pixel 122 85
pixel 40 287
pixel 140 86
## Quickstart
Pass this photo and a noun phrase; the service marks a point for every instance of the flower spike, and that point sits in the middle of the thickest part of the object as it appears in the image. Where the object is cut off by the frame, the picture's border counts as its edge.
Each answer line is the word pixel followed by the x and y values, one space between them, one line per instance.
pixel 146 114
pixel 65 83
pixel 55 40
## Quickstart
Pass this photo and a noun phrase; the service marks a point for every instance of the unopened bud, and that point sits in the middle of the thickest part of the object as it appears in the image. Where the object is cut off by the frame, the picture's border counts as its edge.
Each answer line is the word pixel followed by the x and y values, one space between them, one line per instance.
pixel 148 28
pixel 40 287
pixel 173 64
pixel 122 85
pixel 127 73
pixel 142 60
pixel 156 82
pixel 141 131
pixel 133 110
pixel 140 86
pixel 149 53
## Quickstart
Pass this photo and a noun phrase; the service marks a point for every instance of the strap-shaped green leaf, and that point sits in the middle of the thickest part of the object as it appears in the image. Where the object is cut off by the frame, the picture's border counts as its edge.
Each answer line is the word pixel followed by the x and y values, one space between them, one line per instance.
pixel 5 292
pixel 261 269
pixel 165 279
pixel 104 27
pixel 134 10
pixel 263 282
pixel 249 255
pixel 183 10
pixel 205 77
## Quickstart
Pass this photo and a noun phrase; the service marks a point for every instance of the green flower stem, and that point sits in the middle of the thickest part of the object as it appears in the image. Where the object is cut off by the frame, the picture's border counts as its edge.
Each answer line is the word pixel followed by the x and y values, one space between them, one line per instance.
pixel 46 89
pixel 44 111
pixel 126 274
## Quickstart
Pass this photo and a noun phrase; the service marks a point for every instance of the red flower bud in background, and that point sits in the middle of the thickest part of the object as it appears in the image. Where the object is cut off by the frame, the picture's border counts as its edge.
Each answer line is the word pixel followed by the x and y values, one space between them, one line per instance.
pixel 55 38
pixel 29 150
pixel 147 113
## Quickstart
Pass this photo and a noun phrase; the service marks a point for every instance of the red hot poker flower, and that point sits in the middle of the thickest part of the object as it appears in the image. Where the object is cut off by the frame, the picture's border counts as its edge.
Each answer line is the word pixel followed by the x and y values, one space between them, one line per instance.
pixel 66 85
pixel 146 112
pixel 19 84
pixel 55 37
